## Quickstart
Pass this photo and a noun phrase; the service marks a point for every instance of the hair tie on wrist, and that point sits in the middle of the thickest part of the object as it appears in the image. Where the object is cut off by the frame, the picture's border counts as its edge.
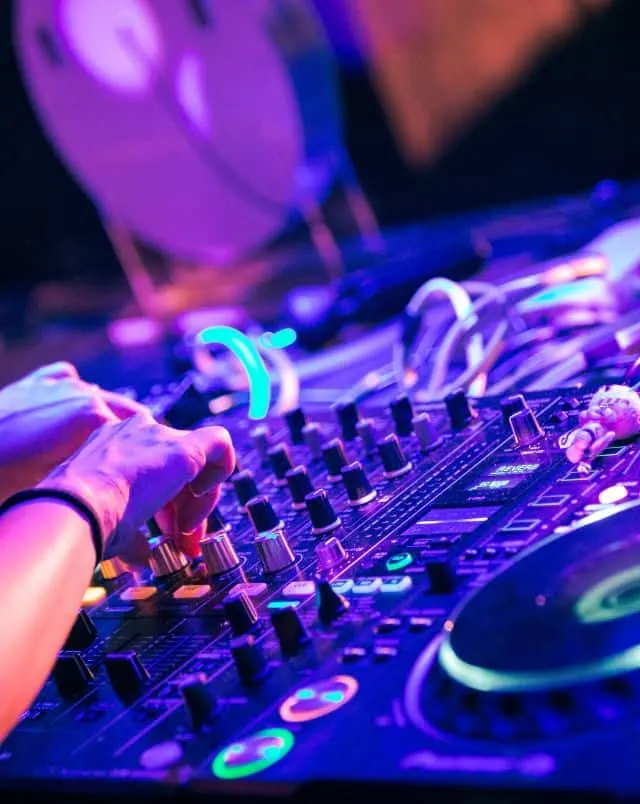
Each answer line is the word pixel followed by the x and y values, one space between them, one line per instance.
pixel 83 508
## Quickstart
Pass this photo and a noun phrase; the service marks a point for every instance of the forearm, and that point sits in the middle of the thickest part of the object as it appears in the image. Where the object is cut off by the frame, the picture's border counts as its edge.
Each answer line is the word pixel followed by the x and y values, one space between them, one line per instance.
pixel 46 562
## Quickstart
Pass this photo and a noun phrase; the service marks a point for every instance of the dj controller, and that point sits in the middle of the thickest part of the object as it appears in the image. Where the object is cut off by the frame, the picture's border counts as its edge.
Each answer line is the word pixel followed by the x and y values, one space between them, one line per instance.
pixel 428 595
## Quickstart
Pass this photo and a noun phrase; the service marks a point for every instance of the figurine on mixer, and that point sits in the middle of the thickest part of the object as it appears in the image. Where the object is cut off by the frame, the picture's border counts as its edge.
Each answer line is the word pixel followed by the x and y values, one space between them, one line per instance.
pixel 613 414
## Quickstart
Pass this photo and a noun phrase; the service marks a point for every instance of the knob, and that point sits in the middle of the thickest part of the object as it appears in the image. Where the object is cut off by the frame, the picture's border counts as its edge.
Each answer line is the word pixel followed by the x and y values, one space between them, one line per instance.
pixel 262 514
pixel 71 675
pixel 260 436
pixel 356 482
pixel 394 461
pixel 240 612
pixel 459 409
pixel 402 415
pixel 442 577
pixel 249 659
pixel 127 674
pixel 329 603
pixel 290 630
pixel 281 462
pixel 299 486
pixel 525 427
pixel 245 487
pixel 348 417
pixel 426 433
pixel 199 699
pixel 113 568
pixel 82 634
pixel 165 558
pixel 510 405
pixel 216 522
pixel 274 551
pixel 368 435
pixel 330 553
pixel 219 553
pixel 335 458
pixel 314 439
pixel 296 421
pixel 323 518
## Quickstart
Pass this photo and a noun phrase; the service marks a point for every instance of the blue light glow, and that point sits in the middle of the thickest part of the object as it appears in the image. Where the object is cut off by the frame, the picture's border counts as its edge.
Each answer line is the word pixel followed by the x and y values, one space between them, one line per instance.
pixel 278 340
pixel 305 694
pixel 333 696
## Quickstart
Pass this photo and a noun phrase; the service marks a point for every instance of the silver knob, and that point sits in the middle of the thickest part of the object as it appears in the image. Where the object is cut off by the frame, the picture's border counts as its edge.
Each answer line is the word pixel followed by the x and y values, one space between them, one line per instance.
pixel 219 553
pixel 525 427
pixel 331 553
pixel 165 558
pixel 274 551
pixel 426 433
pixel 112 568
pixel 261 437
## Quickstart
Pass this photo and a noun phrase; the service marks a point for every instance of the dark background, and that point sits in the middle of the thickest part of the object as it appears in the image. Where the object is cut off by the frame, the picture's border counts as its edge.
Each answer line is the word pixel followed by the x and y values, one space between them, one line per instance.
pixel 572 122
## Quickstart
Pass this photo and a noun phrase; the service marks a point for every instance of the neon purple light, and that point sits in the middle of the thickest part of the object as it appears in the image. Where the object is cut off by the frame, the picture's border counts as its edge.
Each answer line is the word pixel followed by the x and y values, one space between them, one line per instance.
pixel 191 94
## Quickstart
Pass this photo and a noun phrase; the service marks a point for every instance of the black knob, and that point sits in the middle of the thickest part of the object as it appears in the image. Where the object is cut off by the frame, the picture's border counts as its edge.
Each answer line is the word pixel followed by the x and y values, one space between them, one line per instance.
pixel 368 435
pixel 299 486
pixel 199 699
pixel 329 603
pixel 260 436
pixel 245 487
pixel 127 674
pixel 262 514
pixel 394 461
pixel 281 462
pixel 334 457
pixel 402 414
pixel 442 576
pixel 510 405
pixel 290 630
pixel 240 612
pixel 356 482
pixel 459 409
pixel 249 659
pixel 323 518
pixel 71 674
pixel 216 522
pixel 82 633
pixel 296 421
pixel 348 417
pixel 314 439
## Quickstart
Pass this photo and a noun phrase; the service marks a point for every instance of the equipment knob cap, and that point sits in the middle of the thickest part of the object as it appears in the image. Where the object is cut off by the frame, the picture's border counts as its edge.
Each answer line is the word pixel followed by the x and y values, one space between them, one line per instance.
pixel 219 553
pixel 274 551
pixel 280 460
pixel 262 514
pixel 510 405
pixel 426 433
pixel 402 414
pixel 216 522
pixel 82 634
pixel 314 439
pixel 127 674
pixel 329 603
pixel 240 612
pixel 296 421
pixel 356 482
pixel 299 486
pixel 113 568
pixel 261 436
pixel 348 417
pixel 335 458
pixel 525 427
pixel 71 674
pixel 290 630
pixel 323 518
pixel 199 699
pixel 330 553
pixel 394 461
pixel 249 659
pixel 368 435
pixel 245 487
pixel 459 409
pixel 165 558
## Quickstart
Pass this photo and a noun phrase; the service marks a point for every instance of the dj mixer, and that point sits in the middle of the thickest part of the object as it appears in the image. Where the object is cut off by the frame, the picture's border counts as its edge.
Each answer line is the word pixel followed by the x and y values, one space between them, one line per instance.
pixel 422 594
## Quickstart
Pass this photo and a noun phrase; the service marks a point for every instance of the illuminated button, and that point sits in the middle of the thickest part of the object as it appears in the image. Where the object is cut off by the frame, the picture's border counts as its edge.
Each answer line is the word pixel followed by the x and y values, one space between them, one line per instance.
pixel 351 655
pixel 382 653
pixel 550 501
pixel 251 589
pixel 613 494
pixel 388 625
pixel 396 584
pixel 319 699
pixel 366 586
pixel 342 586
pixel 250 756
pixel 520 525
pixel 283 604
pixel 161 756
pixel 192 592
pixel 93 596
pixel 299 589
pixel 399 561
pixel 417 624
pixel 138 593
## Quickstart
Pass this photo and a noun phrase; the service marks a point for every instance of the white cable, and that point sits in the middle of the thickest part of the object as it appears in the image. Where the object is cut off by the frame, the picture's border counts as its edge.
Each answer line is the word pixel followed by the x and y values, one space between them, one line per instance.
pixel 289 385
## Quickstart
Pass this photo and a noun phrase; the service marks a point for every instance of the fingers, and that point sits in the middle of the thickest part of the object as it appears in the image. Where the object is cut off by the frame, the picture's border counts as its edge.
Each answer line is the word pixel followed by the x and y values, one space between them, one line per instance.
pixel 215 443
pixel 189 543
pixel 122 406
pixel 55 371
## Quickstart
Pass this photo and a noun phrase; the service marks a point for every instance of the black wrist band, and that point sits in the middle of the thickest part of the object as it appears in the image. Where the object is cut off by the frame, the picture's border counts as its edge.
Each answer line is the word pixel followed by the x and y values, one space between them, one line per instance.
pixel 64 496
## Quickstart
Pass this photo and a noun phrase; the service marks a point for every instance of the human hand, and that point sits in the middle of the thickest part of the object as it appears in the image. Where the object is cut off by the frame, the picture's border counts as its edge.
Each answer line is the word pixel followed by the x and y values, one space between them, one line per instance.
pixel 46 417
pixel 132 470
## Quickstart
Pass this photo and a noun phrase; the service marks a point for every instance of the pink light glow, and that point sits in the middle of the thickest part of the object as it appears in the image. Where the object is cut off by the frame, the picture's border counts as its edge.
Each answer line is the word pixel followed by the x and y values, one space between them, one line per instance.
pixel 191 93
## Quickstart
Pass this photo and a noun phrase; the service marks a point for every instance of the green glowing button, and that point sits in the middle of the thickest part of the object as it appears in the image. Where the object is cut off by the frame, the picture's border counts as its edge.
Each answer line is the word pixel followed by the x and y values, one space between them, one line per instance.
pixel 246 758
pixel 399 561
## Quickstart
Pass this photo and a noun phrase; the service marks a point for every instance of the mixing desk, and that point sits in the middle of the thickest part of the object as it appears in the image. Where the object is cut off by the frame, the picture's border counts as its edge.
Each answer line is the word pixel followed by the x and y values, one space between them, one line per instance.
pixel 429 594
